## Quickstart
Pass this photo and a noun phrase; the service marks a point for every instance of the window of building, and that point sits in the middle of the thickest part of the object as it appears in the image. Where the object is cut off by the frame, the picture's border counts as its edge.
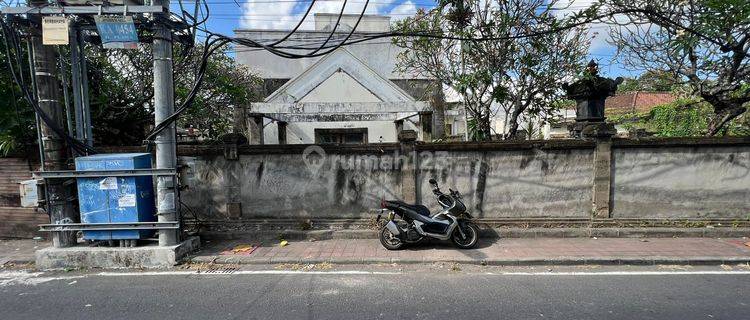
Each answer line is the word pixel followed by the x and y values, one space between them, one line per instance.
pixel 341 136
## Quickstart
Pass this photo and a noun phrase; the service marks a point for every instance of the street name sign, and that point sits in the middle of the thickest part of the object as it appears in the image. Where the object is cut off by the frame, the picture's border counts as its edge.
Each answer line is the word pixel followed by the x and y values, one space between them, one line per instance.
pixel 117 32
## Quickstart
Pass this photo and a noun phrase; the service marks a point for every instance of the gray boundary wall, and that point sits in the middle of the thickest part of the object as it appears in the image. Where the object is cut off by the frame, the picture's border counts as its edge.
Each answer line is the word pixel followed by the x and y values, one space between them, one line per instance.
pixel 637 179
pixel 681 181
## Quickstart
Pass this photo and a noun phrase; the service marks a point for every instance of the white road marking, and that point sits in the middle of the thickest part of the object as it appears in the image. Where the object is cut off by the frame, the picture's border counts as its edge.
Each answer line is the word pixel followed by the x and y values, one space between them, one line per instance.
pixel 241 272
pixel 8 278
pixel 354 272
pixel 34 278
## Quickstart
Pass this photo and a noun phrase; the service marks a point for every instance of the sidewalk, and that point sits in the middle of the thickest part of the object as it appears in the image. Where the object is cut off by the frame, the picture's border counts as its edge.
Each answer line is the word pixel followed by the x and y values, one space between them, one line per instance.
pixel 567 251
pixel 19 251
pixel 513 251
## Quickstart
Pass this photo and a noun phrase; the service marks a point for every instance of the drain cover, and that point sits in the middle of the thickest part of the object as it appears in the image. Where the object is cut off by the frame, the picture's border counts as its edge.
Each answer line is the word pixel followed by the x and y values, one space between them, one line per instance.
pixel 214 270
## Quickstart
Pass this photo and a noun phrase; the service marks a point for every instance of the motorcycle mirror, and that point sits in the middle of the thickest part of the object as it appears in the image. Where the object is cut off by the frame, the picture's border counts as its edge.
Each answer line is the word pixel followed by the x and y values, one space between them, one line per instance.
pixel 433 182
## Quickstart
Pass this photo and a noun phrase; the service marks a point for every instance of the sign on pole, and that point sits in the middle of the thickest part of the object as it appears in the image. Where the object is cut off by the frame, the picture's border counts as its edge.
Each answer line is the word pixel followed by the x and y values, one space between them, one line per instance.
pixel 117 32
pixel 55 30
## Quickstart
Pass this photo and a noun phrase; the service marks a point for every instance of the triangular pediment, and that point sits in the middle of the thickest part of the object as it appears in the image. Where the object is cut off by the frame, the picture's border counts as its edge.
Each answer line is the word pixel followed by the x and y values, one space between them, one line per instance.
pixel 340 87
pixel 339 68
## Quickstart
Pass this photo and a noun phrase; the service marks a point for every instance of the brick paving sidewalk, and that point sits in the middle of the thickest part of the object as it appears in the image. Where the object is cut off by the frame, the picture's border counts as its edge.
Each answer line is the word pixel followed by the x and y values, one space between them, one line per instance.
pixel 493 251
pixel 511 251
pixel 19 251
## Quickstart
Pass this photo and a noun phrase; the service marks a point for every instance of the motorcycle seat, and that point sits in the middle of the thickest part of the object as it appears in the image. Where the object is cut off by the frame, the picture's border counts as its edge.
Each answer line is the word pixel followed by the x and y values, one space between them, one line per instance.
pixel 415 211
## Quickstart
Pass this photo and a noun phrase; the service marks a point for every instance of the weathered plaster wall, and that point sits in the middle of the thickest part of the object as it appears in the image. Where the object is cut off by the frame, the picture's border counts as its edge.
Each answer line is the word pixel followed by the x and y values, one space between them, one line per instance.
pixel 552 179
pixel 284 186
pixel 681 182
pixel 513 183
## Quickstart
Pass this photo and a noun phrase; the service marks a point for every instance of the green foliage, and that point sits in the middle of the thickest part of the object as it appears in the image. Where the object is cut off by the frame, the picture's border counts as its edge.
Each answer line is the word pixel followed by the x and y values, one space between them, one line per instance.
pixel 122 105
pixel 475 133
pixel 121 96
pixel 16 118
pixel 671 120
pixel 682 118
pixel 8 143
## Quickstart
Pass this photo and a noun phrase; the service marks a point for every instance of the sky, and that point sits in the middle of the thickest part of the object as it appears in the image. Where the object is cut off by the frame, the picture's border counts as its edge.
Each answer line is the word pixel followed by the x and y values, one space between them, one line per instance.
pixel 228 15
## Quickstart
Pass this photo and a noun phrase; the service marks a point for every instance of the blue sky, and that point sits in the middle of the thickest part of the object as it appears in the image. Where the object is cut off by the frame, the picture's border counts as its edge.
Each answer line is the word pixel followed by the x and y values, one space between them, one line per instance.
pixel 227 15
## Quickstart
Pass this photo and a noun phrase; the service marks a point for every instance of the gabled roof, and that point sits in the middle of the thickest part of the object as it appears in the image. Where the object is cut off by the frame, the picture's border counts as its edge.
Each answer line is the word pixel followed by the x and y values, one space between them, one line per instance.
pixel 339 60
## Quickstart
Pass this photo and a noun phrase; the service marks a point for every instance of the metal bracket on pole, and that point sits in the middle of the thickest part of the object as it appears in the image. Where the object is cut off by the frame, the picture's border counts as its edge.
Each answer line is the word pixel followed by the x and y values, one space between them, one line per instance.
pixel 109 226
pixel 93 10
pixel 104 173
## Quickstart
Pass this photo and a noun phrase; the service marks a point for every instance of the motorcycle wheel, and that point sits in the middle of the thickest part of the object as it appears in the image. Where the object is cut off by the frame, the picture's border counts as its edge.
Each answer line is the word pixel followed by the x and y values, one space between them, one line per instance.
pixel 389 240
pixel 472 236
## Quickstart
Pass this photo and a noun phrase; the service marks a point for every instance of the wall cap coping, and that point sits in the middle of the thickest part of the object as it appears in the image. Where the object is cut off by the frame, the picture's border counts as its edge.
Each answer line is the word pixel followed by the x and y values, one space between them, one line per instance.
pixel 554 144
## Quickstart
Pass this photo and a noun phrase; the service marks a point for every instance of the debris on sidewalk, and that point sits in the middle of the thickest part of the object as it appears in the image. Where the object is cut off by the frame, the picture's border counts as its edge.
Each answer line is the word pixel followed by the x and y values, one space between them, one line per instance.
pixel 283 243
pixel 304 266
pixel 241 249
pixel 674 267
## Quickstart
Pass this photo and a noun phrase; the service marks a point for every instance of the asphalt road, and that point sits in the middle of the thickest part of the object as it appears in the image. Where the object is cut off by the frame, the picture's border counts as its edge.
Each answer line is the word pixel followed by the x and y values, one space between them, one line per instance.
pixel 433 294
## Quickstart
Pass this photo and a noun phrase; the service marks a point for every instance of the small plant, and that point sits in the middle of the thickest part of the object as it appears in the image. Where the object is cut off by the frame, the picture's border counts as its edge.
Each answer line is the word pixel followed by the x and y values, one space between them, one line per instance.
pixel 8 143
pixel 306 225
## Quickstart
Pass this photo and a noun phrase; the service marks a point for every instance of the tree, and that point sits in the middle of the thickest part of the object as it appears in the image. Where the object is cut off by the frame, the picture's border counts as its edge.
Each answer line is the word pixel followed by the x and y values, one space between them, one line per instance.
pixel 16 117
pixel 518 76
pixel 122 94
pixel 650 81
pixel 683 118
pixel 704 43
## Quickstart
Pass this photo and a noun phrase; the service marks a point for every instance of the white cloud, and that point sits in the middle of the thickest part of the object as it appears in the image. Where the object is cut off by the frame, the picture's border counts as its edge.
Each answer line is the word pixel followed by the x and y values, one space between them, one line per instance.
pixel 403 10
pixel 597 32
pixel 285 15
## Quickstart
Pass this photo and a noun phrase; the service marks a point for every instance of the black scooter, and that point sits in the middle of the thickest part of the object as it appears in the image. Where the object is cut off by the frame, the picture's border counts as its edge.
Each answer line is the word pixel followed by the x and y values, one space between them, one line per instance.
pixel 417 223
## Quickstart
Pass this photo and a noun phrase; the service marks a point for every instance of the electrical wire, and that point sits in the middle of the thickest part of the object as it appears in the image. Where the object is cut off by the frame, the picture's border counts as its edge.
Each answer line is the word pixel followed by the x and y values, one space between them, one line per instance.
pixel 336 26
pixel 75 144
pixel 214 41
pixel 302 20
pixel 279 51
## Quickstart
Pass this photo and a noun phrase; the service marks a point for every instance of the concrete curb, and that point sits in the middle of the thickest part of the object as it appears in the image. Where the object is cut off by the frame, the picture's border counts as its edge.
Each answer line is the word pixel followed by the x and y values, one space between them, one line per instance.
pixel 653 232
pixel 562 261
pixel 152 256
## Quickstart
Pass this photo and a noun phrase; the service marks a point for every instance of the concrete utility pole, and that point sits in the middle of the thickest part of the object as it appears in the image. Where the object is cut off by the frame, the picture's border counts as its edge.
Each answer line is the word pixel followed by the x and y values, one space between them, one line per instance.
pixel 55 153
pixel 166 147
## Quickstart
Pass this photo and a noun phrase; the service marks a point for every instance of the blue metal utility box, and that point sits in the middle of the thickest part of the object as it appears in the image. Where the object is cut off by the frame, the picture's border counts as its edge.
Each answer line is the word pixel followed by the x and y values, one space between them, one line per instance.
pixel 116 199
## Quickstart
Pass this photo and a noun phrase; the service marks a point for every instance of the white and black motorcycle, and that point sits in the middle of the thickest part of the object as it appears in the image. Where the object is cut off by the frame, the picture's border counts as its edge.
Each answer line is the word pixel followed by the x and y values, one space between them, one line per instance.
pixel 410 223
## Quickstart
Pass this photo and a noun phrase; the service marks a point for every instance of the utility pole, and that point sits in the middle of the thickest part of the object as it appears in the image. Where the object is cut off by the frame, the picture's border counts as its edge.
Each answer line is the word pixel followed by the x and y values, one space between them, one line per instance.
pixel 55 153
pixel 166 146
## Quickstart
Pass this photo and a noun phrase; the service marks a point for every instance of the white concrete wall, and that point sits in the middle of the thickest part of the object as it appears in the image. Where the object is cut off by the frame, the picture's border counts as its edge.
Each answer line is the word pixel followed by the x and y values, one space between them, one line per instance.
pixel 368 23
pixel 379 54
pixel 340 87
